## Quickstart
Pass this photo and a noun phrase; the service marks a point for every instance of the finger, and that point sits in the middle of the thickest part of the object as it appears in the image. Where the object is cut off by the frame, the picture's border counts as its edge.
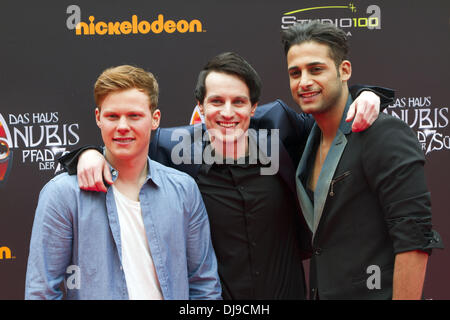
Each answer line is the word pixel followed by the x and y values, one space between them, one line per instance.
pixel 90 178
pixel 351 112
pixel 359 123
pixel 100 186
pixel 107 174
pixel 80 177
pixel 82 180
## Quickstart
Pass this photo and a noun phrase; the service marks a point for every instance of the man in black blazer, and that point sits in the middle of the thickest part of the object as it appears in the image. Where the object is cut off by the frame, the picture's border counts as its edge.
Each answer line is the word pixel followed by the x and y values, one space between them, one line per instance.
pixel 363 195
pixel 258 233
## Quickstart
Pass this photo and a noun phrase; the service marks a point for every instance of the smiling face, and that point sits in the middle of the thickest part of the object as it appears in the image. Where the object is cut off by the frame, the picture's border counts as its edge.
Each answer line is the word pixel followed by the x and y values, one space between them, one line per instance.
pixel 316 84
pixel 126 121
pixel 227 108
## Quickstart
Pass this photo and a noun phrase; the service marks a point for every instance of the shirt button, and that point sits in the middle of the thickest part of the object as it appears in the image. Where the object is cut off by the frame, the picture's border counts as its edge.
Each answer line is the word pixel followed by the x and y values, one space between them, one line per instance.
pixel 114 173
pixel 318 251
pixel 257 273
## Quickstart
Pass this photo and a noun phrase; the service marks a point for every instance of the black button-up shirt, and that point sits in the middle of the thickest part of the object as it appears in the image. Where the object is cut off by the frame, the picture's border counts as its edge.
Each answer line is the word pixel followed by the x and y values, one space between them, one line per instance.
pixel 254 230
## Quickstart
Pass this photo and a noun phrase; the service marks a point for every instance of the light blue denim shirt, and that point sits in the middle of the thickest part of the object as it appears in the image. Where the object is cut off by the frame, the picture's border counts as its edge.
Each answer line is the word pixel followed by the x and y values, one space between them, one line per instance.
pixel 76 240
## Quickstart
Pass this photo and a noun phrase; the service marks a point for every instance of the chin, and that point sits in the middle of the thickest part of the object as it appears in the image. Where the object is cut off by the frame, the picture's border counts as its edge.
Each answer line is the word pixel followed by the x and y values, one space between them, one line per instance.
pixel 306 109
pixel 122 156
pixel 125 153
pixel 227 138
pixel 312 109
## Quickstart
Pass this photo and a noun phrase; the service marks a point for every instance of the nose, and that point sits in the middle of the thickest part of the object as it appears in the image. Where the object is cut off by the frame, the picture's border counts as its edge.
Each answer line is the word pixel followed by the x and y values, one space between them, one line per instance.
pixel 123 126
pixel 305 82
pixel 227 111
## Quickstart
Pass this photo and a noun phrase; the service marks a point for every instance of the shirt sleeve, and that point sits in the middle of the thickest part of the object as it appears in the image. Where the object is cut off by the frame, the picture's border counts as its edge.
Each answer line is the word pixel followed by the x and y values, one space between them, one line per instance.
pixel 204 282
pixel 50 246
pixel 394 166
pixel 386 95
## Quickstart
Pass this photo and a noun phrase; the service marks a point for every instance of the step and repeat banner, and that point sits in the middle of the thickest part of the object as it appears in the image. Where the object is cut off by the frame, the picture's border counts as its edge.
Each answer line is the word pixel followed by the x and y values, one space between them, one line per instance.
pixel 48 69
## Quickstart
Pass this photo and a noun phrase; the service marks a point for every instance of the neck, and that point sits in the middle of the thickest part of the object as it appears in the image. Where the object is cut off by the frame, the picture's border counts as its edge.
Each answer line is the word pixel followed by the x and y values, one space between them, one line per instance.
pixel 131 171
pixel 330 120
pixel 234 150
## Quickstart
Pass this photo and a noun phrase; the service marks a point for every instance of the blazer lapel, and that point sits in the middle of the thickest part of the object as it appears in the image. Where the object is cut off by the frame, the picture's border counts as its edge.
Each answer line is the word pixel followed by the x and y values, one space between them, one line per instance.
pixel 301 177
pixel 326 175
pixel 329 166
pixel 313 212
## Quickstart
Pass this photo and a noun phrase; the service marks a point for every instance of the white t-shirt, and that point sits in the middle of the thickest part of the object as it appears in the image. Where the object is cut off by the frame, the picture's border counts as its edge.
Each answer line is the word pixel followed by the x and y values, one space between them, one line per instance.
pixel 140 274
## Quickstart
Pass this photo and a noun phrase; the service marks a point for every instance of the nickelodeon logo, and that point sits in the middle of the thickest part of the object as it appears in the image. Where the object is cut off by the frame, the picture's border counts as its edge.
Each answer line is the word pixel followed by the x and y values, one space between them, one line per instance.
pixel 5 254
pixel 136 26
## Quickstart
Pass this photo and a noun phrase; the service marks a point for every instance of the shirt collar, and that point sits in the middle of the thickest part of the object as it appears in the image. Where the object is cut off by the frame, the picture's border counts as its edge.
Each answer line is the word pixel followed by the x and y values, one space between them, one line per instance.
pixel 152 173
pixel 254 153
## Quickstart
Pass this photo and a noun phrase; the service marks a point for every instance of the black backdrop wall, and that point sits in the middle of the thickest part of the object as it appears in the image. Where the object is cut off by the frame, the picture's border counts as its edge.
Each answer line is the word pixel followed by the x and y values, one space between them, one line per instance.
pixel 48 70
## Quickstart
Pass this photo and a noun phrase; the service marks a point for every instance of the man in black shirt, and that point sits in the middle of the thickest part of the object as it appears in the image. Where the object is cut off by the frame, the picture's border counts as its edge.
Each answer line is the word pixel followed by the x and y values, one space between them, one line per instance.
pixel 258 232
pixel 255 225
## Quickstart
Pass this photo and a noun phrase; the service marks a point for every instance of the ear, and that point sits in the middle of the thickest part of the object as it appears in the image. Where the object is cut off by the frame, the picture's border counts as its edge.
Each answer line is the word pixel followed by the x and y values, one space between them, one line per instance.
pixel 254 109
pixel 346 70
pixel 97 118
pixel 156 118
pixel 201 108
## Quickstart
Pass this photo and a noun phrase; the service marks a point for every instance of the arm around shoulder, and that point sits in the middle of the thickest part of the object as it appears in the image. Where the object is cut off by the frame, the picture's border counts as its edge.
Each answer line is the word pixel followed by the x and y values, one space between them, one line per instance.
pixel 386 95
pixel 69 161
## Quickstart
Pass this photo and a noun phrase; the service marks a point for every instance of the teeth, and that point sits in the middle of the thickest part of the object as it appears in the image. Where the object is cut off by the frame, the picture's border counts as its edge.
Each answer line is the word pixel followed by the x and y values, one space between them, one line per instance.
pixel 124 140
pixel 308 95
pixel 227 125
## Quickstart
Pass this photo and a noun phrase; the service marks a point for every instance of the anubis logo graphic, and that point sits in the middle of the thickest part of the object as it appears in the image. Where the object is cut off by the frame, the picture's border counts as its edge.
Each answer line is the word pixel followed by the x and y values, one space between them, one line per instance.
pixel 5 151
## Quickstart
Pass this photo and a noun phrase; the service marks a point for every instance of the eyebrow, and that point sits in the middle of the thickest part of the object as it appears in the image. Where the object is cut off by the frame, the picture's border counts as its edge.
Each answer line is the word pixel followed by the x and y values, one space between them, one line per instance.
pixel 311 64
pixel 221 97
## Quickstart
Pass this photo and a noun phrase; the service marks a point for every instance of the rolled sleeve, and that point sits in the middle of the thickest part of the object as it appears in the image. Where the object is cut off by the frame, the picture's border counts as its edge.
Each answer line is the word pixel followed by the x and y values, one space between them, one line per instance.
pixel 394 166
pixel 410 234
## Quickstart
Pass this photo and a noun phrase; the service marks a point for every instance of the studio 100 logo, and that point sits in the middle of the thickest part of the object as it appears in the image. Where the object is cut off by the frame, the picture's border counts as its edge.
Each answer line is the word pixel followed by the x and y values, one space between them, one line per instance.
pixel 346 16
